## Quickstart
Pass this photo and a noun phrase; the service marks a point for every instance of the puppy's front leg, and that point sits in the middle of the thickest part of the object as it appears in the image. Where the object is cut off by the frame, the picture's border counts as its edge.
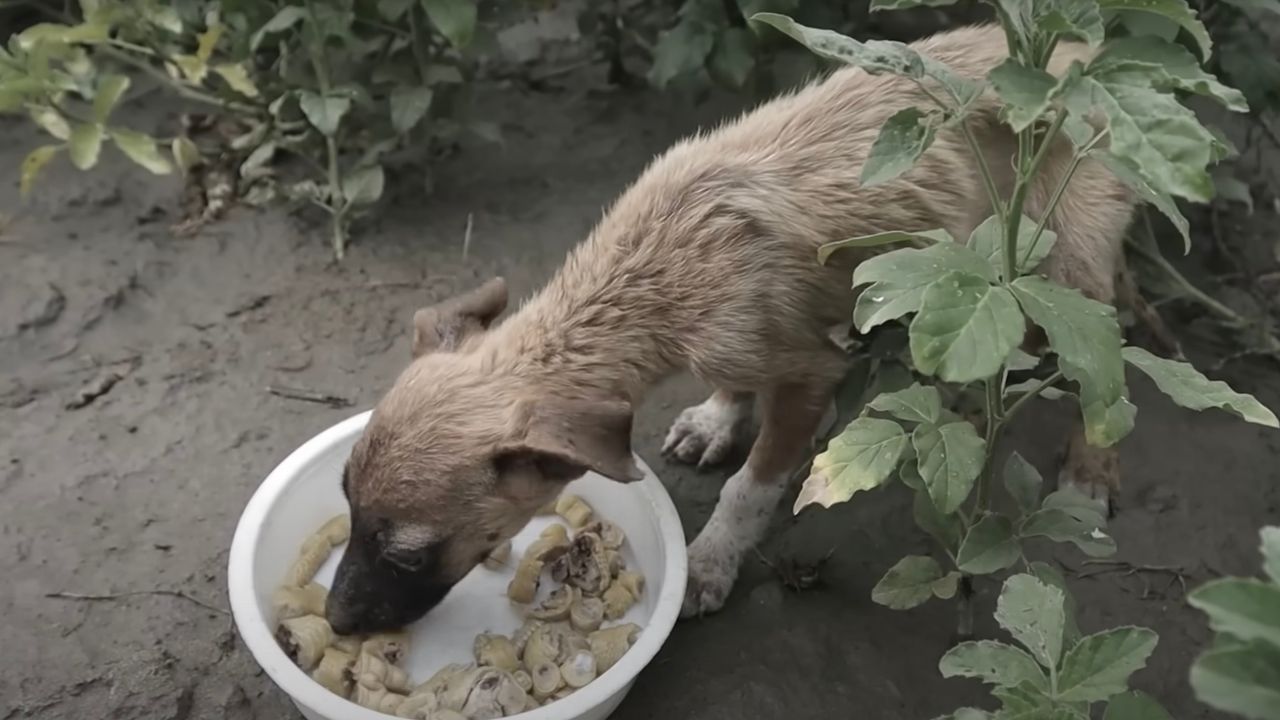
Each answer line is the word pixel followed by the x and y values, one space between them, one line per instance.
pixel 705 434
pixel 790 415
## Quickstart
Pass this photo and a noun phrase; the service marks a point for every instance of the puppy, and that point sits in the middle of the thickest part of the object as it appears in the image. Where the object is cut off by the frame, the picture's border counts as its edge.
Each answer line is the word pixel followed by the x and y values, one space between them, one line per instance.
pixel 706 263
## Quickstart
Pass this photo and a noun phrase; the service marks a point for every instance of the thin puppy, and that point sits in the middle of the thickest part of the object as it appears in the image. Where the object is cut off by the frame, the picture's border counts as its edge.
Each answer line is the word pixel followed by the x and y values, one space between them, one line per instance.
pixel 706 263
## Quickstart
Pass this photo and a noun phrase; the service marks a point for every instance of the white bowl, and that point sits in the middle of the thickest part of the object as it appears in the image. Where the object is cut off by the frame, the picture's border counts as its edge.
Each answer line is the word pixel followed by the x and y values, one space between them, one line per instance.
pixel 303 492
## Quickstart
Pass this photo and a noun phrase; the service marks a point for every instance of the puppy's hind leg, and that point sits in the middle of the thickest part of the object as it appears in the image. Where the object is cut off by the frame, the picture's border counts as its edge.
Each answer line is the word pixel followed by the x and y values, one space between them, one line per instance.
pixel 705 434
pixel 1090 220
pixel 791 414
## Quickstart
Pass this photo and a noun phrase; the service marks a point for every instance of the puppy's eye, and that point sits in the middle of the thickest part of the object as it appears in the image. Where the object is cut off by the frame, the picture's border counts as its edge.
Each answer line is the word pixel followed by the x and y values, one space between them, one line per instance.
pixel 411 560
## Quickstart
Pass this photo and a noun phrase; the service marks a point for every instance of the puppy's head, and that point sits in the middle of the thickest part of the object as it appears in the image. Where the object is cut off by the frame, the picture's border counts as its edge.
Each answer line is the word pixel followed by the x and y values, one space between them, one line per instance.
pixel 455 460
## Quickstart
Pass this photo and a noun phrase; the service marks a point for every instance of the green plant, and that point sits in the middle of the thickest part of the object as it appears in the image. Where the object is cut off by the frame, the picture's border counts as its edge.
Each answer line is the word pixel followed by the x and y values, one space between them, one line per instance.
pixel 1241 672
pixel 712 39
pixel 353 82
pixel 966 305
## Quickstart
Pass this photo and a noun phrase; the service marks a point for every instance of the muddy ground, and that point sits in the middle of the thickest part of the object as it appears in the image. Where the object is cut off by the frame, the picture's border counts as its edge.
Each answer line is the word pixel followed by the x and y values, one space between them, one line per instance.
pixel 140 489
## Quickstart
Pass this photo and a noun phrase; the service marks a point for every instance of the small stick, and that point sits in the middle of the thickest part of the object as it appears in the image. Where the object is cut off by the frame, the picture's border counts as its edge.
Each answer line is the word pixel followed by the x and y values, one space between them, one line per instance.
pixel 466 236
pixel 81 597
pixel 336 401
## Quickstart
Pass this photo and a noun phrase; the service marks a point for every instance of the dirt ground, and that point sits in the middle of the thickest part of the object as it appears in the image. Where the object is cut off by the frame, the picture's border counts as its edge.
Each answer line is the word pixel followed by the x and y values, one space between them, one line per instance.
pixel 140 489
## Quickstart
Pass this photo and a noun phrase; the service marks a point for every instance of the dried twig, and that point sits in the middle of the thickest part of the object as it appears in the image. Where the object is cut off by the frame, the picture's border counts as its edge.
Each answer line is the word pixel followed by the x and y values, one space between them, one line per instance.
pixel 335 401
pixel 109 597
pixel 1127 569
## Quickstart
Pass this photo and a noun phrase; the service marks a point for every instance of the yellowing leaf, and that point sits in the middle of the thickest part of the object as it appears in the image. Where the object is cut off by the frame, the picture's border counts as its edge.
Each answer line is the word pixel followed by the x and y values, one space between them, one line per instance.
pixel 142 150
pixel 186 154
pixel 860 458
pixel 52 121
pixel 206 42
pixel 237 76
pixel 110 90
pixel 85 145
pixel 33 163
pixel 193 68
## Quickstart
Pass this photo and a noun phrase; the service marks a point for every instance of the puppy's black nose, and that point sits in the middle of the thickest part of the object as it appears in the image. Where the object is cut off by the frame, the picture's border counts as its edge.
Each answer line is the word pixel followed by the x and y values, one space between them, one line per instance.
pixel 342 621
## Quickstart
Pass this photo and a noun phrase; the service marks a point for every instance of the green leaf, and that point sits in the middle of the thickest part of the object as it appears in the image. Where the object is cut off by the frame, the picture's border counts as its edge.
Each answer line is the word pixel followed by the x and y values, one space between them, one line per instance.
pixel 110 89
pixel 901 277
pixel 902 140
pixel 364 186
pixel 1024 702
pixel 1243 680
pixel 944 588
pixel 1188 388
pixel 408 106
pixel 288 16
pixel 185 153
pixel 1023 482
pixel 1271 552
pixel 1099 665
pixel 1048 393
pixel 142 150
pixel 1176 10
pixel 1049 575
pixel 989 547
pixel 1125 172
pixel 236 76
pixel 945 529
pixel 1020 361
pixel 859 458
pixel 949 458
pixel 1166 66
pixel 455 19
pixel 917 404
pixel 1026 91
pixel 965 328
pixel 85 145
pixel 733 58
pixel 876 239
pixel 51 121
pixel 908 583
pixel 874 56
pixel 910 476
pixel 1061 526
pixel 1076 504
pixel 1079 19
pixel 324 113
pixel 1160 138
pixel 680 50
pixel 992 662
pixel 1134 706
pixel 1234 190
pixel 1033 613
pixel 877 5
pixel 33 163
pixel 988 241
pixel 1246 608
pixel 1086 336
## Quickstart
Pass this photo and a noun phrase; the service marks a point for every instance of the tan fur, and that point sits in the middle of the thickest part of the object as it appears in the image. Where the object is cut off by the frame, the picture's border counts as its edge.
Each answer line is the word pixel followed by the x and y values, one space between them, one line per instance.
pixel 707 263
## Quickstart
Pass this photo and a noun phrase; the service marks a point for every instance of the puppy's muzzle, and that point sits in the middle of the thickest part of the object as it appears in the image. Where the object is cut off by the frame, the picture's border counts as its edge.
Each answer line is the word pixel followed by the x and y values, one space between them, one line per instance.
pixel 372 595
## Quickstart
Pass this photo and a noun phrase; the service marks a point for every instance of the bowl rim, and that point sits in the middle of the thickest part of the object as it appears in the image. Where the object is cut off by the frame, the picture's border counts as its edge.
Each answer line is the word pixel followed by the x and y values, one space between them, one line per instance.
pixel 258 636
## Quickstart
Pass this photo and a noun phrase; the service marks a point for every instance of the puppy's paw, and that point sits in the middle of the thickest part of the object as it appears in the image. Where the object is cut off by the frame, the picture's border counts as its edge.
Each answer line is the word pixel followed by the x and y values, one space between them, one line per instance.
pixel 1092 472
pixel 705 434
pixel 713 568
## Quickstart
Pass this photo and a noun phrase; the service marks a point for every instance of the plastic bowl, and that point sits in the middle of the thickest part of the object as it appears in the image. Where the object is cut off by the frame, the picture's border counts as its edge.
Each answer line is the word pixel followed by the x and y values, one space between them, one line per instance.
pixel 303 492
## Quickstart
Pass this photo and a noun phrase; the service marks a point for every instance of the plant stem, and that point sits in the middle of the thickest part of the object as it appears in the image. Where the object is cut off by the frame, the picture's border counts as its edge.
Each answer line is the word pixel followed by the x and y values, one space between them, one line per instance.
pixel 337 203
pixel 984 170
pixel 1031 394
pixel 183 90
pixel 994 387
pixel 1196 293
pixel 1058 191
pixel 964 608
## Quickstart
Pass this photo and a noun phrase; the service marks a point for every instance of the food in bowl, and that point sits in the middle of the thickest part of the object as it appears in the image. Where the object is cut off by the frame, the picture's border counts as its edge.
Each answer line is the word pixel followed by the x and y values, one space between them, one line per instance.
pixel 562 646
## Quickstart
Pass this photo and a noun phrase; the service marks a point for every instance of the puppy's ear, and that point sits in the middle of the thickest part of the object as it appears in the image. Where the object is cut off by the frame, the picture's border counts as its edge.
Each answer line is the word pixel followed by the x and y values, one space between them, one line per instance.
pixel 445 325
pixel 563 439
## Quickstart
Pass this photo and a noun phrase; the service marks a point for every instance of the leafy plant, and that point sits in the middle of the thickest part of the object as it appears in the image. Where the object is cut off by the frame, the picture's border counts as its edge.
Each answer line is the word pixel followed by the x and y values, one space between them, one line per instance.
pixel 1056 674
pixel 351 82
pixel 1241 672
pixel 712 39
pixel 966 303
